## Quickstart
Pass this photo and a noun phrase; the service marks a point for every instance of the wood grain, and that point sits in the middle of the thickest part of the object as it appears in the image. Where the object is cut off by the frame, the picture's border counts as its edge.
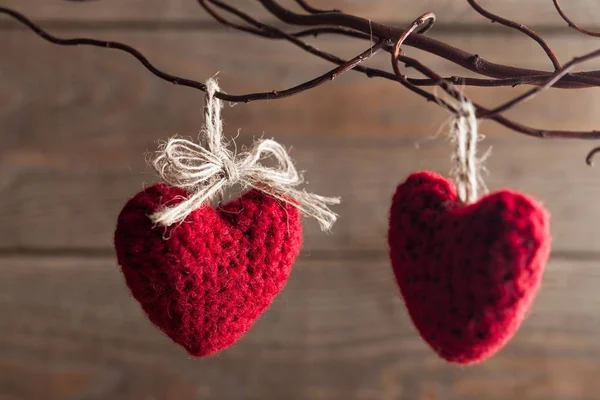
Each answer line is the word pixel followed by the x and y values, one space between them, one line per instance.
pixel 449 12
pixel 340 321
pixel 77 122
pixel 45 88
pixel 75 205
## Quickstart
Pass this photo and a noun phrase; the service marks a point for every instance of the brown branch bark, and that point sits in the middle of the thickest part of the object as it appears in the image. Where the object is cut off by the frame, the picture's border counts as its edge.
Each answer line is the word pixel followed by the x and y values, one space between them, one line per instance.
pixel 483 112
pixel 572 24
pixel 520 27
pixel 308 8
pixel 469 61
pixel 319 22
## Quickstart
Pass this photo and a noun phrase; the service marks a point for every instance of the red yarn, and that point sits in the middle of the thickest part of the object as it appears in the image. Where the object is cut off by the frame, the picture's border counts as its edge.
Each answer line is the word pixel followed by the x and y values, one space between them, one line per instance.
pixel 205 281
pixel 468 274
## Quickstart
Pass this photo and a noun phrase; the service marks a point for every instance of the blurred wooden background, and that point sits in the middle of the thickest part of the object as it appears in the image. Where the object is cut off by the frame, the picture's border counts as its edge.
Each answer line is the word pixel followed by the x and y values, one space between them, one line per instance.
pixel 74 126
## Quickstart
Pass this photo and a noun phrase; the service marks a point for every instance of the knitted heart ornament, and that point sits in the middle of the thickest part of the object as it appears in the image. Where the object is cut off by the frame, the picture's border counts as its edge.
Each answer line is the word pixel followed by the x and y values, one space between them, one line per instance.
pixel 204 275
pixel 468 273
pixel 216 273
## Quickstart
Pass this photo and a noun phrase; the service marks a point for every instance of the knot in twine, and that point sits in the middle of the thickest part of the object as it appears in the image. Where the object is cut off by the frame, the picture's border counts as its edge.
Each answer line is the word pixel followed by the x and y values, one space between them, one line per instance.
pixel 467 167
pixel 205 169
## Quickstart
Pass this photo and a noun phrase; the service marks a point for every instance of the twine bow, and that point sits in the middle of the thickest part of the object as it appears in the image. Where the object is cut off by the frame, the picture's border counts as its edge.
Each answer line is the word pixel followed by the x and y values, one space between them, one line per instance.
pixel 207 170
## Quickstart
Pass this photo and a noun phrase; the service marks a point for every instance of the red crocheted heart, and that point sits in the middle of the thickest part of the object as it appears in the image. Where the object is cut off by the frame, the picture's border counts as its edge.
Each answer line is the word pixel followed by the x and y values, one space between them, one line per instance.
pixel 205 281
pixel 468 274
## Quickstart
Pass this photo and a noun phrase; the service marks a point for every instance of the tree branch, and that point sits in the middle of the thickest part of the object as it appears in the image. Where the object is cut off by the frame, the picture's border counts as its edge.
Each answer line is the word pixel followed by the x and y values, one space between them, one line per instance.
pixel 472 62
pixel 520 27
pixel 482 112
pixel 308 8
pixel 274 94
pixel 551 82
pixel 573 24
pixel 337 23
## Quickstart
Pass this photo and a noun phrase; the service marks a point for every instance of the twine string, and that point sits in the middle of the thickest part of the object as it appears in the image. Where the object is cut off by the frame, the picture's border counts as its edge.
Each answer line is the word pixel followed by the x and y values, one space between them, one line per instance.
pixel 467 167
pixel 207 168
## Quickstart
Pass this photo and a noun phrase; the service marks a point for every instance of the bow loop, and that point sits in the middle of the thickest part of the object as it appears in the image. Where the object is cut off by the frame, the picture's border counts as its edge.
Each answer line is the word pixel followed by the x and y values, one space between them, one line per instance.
pixel 205 171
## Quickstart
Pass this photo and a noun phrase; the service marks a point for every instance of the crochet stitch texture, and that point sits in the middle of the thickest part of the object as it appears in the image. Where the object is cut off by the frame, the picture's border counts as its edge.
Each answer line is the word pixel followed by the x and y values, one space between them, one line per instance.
pixel 204 282
pixel 468 273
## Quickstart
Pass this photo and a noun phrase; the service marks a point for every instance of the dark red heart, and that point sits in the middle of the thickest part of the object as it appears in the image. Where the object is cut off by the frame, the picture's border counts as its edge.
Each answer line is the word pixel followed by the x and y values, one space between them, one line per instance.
pixel 204 282
pixel 468 273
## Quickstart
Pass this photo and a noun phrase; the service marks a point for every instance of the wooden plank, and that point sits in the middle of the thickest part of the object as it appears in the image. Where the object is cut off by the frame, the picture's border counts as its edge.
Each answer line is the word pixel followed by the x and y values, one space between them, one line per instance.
pixel 534 12
pixel 107 97
pixel 338 331
pixel 76 122
pixel 59 383
pixel 58 203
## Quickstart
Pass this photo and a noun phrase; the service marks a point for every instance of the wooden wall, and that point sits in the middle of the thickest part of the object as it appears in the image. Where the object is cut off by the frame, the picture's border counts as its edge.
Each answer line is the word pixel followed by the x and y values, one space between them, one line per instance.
pixel 74 126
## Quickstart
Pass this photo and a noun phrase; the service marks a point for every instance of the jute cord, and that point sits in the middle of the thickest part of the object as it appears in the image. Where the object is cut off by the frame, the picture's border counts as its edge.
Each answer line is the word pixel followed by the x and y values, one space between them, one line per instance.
pixel 467 167
pixel 207 168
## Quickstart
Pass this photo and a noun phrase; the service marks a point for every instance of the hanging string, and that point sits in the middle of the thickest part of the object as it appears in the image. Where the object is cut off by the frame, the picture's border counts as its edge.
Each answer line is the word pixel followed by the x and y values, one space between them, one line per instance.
pixel 464 133
pixel 465 172
pixel 207 168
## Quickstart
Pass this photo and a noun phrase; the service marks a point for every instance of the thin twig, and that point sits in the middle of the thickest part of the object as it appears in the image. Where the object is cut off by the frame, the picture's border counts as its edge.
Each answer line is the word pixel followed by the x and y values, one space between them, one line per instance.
pixel 520 27
pixel 460 57
pixel 589 159
pixel 370 72
pixel 271 32
pixel 552 81
pixel 573 24
pixel 275 94
pixel 264 32
pixel 482 112
pixel 397 54
pixel 332 30
pixel 348 25
pixel 219 18
pixel 308 8
pixel 585 79
pixel 514 82
pixel 276 33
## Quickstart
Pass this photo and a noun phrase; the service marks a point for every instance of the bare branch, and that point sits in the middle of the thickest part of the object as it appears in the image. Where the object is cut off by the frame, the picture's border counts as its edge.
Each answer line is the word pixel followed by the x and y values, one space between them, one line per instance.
pixel 589 159
pixel 472 62
pixel 191 83
pixel 482 112
pixel 520 27
pixel 573 24
pixel 517 81
pixel 552 81
pixel 582 80
pixel 320 22
pixel 311 9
